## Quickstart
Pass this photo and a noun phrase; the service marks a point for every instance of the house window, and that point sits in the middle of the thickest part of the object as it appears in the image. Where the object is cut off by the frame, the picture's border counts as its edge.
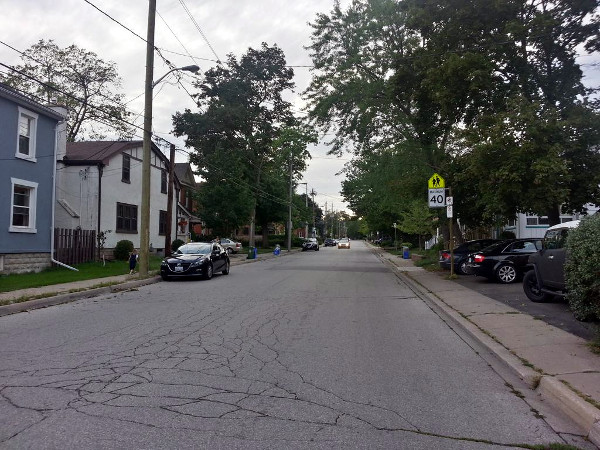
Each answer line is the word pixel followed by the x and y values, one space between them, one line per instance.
pixel 26 135
pixel 162 223
pixel 163 181
pixel 535 220
pixel 126 170
pixel 23 206
pixel 126 218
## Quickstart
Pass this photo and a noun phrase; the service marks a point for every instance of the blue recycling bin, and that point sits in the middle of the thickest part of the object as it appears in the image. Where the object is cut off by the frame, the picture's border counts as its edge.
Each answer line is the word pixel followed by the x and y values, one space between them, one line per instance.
pixel 405 253
pixel 252 253
pixel 277 250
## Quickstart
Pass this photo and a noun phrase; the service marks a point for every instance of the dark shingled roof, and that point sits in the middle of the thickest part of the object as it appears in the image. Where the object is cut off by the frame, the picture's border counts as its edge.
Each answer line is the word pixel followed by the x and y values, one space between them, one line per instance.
pixel 98 150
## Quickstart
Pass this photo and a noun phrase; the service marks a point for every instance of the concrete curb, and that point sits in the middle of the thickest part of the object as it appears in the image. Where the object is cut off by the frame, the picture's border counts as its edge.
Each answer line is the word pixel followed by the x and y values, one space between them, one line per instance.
pixel 563 398
pixel 73 296
pixel 61 298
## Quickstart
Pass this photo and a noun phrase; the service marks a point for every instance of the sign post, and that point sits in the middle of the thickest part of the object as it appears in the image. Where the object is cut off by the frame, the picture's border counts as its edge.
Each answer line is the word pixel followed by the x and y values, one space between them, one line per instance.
pixel 436 198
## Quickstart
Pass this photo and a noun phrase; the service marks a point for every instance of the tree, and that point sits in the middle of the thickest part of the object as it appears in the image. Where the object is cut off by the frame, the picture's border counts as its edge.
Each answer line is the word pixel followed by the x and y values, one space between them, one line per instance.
pixel 539 148
pixel 487 93
pixel 241 112
pixel 417 219
pixel 79 80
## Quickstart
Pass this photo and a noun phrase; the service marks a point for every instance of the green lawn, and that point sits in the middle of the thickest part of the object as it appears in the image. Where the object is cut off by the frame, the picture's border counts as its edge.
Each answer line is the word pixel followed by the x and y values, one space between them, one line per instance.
pixel 57 275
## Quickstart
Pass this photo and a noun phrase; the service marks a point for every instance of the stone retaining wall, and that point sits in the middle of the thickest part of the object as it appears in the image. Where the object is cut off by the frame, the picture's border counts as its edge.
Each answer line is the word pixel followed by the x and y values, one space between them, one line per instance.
pixel 24 262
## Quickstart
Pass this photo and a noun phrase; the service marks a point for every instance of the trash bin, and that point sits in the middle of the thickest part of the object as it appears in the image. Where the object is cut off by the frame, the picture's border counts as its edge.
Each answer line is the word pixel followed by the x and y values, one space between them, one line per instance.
pixel 277 250
pixel 251 253
pixel 405 253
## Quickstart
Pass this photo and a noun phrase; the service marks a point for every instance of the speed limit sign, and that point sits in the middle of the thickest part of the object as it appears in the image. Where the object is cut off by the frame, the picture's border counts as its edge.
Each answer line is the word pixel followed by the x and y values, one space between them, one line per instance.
pixel 437 198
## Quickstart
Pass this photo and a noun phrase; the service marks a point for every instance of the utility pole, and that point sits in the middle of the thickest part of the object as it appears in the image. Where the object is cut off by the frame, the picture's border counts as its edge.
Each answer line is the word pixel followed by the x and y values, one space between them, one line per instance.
pixel 147 145
pixel 289 237
pixel 313 193
pixel 168 228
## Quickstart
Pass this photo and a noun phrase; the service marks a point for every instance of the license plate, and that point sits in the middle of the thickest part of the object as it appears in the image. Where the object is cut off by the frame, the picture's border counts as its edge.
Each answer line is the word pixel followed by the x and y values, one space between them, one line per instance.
pixel 178 269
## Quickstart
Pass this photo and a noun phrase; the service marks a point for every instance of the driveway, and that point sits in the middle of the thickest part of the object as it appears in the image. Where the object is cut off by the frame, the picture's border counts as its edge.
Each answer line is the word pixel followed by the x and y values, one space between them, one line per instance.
pixel 555 312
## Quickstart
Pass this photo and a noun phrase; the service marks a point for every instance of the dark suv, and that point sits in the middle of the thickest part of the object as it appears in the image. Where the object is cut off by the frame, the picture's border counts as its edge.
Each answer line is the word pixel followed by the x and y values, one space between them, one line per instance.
pixel 547 275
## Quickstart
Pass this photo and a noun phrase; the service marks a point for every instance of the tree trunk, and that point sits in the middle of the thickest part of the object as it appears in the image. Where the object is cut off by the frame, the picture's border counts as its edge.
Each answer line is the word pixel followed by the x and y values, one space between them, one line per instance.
pixel 554 216
pixel 265 234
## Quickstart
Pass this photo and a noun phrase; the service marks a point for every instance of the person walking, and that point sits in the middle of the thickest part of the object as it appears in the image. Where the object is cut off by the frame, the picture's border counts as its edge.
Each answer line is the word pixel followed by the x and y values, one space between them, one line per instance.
pixel 133 258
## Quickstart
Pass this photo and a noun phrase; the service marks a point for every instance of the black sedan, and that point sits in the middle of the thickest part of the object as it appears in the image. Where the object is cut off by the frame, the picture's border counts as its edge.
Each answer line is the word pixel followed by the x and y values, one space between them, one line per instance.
pixel 329 242
pixel 505 261
pixel 196 259
pixel 461 254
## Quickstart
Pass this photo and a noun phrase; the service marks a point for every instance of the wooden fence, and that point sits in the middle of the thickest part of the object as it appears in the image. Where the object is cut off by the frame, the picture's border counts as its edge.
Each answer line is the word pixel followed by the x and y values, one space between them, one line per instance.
pixel 74 246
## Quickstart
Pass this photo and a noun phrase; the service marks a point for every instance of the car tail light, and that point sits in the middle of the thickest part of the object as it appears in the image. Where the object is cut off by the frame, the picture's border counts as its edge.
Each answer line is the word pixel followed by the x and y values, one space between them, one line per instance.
pixel 479 258
pixel 238 245
pixel 445 255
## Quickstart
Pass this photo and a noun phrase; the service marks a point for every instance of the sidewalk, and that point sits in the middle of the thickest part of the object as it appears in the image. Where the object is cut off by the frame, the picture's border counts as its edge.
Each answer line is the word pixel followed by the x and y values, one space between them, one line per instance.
pixel 556 364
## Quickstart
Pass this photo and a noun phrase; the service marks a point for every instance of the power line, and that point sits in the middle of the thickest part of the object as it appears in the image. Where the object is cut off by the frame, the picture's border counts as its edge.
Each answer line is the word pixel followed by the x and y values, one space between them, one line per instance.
pixel 199 30
pixel 178 40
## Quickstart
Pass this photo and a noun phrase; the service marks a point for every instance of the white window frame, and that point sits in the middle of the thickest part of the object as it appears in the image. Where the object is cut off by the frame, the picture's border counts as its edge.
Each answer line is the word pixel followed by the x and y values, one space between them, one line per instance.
pixel 32 139
pixel 33 187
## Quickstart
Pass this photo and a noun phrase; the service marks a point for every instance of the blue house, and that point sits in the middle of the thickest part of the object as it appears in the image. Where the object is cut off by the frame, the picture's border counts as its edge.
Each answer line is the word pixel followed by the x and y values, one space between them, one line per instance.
pixel 28 145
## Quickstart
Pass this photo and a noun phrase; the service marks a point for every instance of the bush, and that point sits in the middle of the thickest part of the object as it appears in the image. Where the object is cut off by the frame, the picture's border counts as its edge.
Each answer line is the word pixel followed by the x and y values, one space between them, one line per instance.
pixel 176 244
pixel 123 249
pixel 582 269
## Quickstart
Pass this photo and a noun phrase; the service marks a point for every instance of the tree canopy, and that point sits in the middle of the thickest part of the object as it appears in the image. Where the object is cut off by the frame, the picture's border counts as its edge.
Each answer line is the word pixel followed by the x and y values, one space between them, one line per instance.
pixel 81 81
pixel 245 132
pixel 489 94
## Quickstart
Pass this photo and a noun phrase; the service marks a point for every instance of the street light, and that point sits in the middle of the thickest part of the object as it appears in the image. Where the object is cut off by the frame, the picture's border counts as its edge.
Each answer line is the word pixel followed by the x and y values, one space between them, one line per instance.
pixel 193 69
pixel 147 144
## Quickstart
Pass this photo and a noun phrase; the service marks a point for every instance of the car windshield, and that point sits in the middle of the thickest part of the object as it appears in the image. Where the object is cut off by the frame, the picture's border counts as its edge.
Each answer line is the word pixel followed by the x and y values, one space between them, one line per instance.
pixel 194 249
pixel 344 240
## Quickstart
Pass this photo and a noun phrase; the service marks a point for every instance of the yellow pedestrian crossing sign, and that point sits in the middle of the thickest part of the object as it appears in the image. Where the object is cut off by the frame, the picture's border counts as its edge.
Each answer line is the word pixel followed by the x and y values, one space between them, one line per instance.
pixel 436 182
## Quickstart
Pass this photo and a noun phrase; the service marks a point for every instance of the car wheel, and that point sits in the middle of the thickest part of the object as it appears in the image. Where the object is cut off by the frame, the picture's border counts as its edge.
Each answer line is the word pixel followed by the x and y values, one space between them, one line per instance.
pixel 506 274
pixel 209 272
pixel 464 269
pixel 532 288
pixel 226 269
pixel 165 277
pixel 229 251
pixel 317 249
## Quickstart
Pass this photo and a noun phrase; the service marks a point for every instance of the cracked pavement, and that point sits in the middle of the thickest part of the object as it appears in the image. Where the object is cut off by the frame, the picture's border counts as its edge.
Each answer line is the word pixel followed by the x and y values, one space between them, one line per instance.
pixel 320 350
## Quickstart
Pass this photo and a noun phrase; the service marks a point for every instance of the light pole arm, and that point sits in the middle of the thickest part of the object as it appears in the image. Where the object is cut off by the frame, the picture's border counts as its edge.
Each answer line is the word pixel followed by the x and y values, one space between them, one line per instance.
pixel 193 69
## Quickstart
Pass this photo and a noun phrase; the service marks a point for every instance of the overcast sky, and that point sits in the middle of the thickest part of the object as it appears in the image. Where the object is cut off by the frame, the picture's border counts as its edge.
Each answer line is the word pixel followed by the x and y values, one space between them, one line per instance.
pixel 229 26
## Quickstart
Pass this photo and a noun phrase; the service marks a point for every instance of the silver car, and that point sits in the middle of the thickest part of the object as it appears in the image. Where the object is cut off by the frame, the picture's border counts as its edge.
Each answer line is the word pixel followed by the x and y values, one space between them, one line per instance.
pixel 231 246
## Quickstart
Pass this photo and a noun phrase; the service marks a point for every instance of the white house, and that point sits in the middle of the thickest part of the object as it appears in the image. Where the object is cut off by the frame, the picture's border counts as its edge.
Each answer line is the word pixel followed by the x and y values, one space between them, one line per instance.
pixel 532 226
pixel 99 187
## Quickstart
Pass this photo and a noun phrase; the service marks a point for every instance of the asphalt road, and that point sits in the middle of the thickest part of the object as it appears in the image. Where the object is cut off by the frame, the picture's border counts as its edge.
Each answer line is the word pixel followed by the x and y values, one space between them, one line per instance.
pixel 323 349
pixel 555 312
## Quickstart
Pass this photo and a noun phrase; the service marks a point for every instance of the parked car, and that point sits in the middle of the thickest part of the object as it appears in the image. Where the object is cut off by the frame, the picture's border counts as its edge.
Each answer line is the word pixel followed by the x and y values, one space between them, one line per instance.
pixel 461 254
pixel 546 277
pixel 329 242
pixel 344 243
pixel 196 259
pixel 310 244
pixel 231 246
pixel 505 261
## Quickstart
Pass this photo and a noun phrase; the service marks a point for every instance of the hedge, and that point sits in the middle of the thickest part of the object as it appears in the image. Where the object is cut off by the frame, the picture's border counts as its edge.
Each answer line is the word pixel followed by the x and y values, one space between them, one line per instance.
pixel 582 269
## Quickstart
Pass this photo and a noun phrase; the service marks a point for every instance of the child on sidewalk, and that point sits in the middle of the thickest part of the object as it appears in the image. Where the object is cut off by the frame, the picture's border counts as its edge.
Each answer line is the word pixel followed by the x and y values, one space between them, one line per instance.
pixel 133 258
